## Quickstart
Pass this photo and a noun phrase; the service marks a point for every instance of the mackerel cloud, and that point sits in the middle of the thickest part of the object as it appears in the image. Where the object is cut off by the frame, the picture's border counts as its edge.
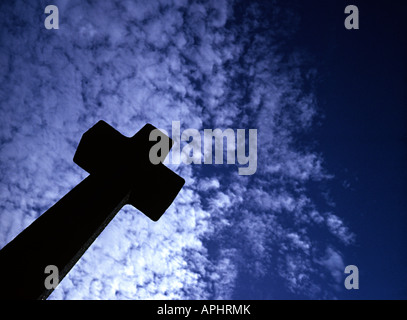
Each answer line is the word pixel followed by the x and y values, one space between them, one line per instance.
pixel 213 64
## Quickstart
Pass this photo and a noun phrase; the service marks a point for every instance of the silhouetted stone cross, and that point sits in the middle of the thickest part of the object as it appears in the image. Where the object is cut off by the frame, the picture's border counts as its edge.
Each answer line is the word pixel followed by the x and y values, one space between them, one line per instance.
pixel 120 173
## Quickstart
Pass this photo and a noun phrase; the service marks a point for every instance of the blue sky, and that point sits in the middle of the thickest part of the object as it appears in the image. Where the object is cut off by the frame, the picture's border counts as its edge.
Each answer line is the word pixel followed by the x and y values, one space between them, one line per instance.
pixel 328 105
pixel 362 90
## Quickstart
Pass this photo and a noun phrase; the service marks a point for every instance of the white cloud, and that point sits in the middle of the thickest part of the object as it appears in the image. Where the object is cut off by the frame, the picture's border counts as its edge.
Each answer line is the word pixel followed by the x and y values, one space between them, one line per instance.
pixel 338 228
pixel 208 184
pixel 333 262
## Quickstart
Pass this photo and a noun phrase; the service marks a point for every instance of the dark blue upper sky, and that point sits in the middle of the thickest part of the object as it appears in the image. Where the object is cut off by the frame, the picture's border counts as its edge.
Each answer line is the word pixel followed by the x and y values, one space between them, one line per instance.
pixel 361 88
